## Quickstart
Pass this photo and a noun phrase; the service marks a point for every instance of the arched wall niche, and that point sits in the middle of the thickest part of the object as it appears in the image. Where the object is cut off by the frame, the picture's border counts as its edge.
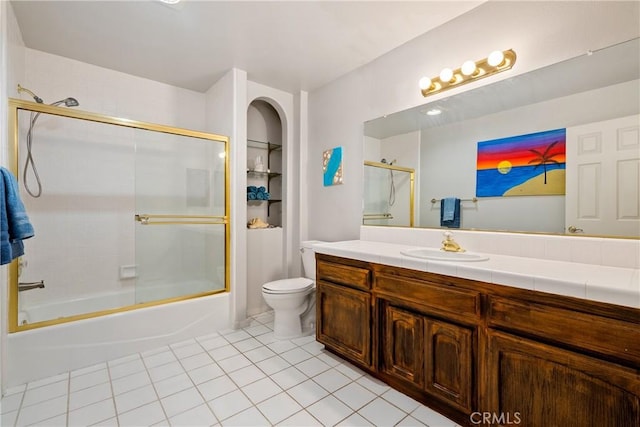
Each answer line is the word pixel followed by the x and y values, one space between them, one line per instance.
pixel 267 248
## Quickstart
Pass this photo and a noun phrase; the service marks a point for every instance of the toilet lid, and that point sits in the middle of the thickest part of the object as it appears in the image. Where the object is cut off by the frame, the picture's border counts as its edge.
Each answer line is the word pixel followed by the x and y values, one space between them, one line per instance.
pixel 298 284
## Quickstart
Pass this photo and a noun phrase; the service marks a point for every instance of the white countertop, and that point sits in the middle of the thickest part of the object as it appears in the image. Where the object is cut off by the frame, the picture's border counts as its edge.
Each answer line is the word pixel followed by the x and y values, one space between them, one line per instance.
pixel 593 282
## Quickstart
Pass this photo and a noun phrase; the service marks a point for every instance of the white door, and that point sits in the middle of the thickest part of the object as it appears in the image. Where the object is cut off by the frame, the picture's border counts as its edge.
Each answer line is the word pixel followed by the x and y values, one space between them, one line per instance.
pixel 603 178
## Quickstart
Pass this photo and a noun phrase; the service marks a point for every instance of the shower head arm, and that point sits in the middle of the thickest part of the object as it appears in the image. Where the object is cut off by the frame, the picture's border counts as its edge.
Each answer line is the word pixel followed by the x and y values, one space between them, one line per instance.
pixel 35 97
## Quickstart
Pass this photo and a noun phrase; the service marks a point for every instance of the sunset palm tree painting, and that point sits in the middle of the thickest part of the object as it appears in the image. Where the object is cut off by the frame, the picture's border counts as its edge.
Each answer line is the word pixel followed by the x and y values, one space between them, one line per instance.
pixel 525 165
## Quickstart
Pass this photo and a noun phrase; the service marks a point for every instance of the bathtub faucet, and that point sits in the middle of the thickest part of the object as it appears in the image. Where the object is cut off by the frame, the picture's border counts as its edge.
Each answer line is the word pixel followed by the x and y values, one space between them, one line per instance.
pixel 25 286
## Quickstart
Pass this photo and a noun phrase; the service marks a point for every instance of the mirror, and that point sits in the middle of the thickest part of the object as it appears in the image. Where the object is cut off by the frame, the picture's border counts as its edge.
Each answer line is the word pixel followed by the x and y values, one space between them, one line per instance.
pixel 599 87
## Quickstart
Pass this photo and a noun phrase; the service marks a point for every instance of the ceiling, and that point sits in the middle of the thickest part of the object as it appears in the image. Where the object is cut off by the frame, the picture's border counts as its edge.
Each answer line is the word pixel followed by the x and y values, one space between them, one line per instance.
pixel 288 45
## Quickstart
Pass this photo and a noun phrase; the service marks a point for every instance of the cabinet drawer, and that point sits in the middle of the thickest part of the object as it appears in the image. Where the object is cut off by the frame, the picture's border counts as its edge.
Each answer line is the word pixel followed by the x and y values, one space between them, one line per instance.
pixel 436 296
pixel 347 275
pixel 615 338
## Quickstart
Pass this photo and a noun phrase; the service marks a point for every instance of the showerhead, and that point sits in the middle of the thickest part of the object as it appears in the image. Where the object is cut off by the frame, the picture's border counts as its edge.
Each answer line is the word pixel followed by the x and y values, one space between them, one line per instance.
pixel 68 102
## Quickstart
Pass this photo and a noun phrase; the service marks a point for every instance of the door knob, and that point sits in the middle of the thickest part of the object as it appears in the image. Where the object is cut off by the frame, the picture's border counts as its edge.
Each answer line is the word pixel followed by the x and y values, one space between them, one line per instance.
pixel 574 229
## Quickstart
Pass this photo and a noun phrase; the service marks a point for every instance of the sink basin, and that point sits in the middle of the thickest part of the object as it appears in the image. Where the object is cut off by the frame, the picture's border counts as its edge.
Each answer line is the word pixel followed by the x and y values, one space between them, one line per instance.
pixel 440 255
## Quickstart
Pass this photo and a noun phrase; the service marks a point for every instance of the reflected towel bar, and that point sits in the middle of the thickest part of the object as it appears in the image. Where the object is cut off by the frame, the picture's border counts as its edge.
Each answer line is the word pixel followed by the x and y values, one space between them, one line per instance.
pixel 368 217
pixel 474 200
pixel 145 219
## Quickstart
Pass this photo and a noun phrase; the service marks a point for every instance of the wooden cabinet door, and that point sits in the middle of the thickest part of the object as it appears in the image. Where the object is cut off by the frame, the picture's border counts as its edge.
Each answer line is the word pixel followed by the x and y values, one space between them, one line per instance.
pixel 543 385
pixel 344 321
pixel 402 344
pixel 449 362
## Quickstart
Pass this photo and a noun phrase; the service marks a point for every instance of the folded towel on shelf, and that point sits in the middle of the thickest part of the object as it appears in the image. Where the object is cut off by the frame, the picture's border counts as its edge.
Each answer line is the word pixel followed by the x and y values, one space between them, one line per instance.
pixel 14 222
pixel 257 223
pixel 252 189
pixel 252 196
pixel 450 212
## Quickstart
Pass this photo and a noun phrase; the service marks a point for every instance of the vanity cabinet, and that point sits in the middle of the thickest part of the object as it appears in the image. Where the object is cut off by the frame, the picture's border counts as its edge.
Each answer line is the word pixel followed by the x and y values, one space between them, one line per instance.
pixel 543 385
pixel 343 310
pixel 428 336
pixel 433 356
pixel 402 331
pixel 479 353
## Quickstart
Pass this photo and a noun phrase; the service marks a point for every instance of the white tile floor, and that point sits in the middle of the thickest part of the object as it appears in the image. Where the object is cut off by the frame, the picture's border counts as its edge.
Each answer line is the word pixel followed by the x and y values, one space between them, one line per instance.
pixel 233 378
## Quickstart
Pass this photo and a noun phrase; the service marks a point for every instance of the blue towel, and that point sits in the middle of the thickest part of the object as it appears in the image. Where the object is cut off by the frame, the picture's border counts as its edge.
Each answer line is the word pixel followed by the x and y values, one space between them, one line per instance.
pixel 450 212
pixel 14 223
pixel 257 193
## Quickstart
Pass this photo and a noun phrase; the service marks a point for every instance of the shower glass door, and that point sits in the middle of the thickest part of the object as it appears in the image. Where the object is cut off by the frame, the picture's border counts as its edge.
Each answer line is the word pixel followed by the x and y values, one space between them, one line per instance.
pixel 389 195
pixel 181 216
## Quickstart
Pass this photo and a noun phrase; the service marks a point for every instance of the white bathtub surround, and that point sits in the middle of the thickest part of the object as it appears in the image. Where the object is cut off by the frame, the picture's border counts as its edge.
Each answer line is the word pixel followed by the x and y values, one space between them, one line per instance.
pixel 235 377
pixel 42 352
pixel 617 285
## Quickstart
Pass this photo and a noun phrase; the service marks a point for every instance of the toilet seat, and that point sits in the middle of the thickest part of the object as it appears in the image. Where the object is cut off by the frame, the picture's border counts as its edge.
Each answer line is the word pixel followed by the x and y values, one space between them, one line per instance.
pixel 288 286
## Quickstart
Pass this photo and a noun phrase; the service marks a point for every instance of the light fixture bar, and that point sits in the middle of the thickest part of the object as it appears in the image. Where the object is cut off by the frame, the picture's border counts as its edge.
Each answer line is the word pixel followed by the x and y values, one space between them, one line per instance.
pixel 496 62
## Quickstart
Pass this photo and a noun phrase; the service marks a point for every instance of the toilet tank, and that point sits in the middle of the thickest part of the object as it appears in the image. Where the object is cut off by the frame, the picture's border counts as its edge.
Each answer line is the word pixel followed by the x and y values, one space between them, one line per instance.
pixel 309 258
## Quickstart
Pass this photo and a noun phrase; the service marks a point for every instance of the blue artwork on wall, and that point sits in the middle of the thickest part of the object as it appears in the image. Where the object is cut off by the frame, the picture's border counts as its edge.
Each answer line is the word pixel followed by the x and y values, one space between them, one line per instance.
pixel 332 166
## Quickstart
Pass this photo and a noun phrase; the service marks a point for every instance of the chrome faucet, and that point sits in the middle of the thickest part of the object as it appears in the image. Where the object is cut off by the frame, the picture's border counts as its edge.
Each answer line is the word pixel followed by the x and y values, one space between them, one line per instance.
pixel 449 245
pixel 25 286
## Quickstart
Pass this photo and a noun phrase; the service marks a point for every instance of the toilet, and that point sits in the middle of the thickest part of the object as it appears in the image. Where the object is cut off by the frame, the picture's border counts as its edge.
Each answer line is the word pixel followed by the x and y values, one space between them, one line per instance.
pixel 293 300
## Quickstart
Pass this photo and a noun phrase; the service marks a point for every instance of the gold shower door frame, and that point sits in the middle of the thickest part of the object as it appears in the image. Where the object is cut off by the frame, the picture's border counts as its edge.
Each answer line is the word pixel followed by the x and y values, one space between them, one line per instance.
pixel 15 105
pixel 412 181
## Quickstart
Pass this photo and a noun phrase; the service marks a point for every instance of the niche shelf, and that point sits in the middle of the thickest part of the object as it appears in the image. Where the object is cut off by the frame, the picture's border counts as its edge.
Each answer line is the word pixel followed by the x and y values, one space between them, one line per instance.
pixel 267 175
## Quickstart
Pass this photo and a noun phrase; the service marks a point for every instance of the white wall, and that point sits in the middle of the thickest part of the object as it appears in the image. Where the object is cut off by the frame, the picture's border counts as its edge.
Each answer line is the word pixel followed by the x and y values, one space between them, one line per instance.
pixel 540 33
pixel 226 111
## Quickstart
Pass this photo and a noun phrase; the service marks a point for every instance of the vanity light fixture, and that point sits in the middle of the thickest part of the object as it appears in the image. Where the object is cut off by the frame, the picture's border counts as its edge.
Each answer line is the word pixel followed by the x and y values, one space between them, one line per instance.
pixel 496 62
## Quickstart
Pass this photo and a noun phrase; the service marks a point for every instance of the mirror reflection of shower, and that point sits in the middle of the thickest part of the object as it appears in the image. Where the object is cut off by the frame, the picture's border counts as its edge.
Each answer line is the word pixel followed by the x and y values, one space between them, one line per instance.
pixel 392 184
pixel 389 199
pixel 29 163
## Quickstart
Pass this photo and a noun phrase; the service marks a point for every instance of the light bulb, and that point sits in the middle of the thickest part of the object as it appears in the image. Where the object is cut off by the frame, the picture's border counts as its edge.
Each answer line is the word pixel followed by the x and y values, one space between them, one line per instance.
pixel 425 83
pixel 495 58
pixel 468 68
pixel 446 75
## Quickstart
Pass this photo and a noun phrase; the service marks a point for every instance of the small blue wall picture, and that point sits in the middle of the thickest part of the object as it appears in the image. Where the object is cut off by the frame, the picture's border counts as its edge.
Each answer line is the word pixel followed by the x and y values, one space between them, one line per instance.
pixel 332 166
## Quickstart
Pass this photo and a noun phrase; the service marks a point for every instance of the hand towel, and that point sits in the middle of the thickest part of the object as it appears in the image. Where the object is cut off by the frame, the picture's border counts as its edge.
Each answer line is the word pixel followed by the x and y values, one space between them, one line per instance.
pixel 14 222
pixel 450 212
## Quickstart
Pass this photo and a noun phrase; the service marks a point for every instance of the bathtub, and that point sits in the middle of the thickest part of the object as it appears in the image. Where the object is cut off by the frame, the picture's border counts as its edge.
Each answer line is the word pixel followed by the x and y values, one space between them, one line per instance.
pixel 42 352
pixel 104 301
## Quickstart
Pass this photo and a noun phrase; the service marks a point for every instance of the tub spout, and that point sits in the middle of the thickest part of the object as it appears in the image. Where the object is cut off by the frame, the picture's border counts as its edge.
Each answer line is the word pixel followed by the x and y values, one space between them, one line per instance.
pixel 25 286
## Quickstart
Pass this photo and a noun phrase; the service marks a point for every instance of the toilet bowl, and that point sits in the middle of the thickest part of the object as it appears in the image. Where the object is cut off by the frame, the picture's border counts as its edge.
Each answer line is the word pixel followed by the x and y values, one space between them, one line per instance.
pixel 293 300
